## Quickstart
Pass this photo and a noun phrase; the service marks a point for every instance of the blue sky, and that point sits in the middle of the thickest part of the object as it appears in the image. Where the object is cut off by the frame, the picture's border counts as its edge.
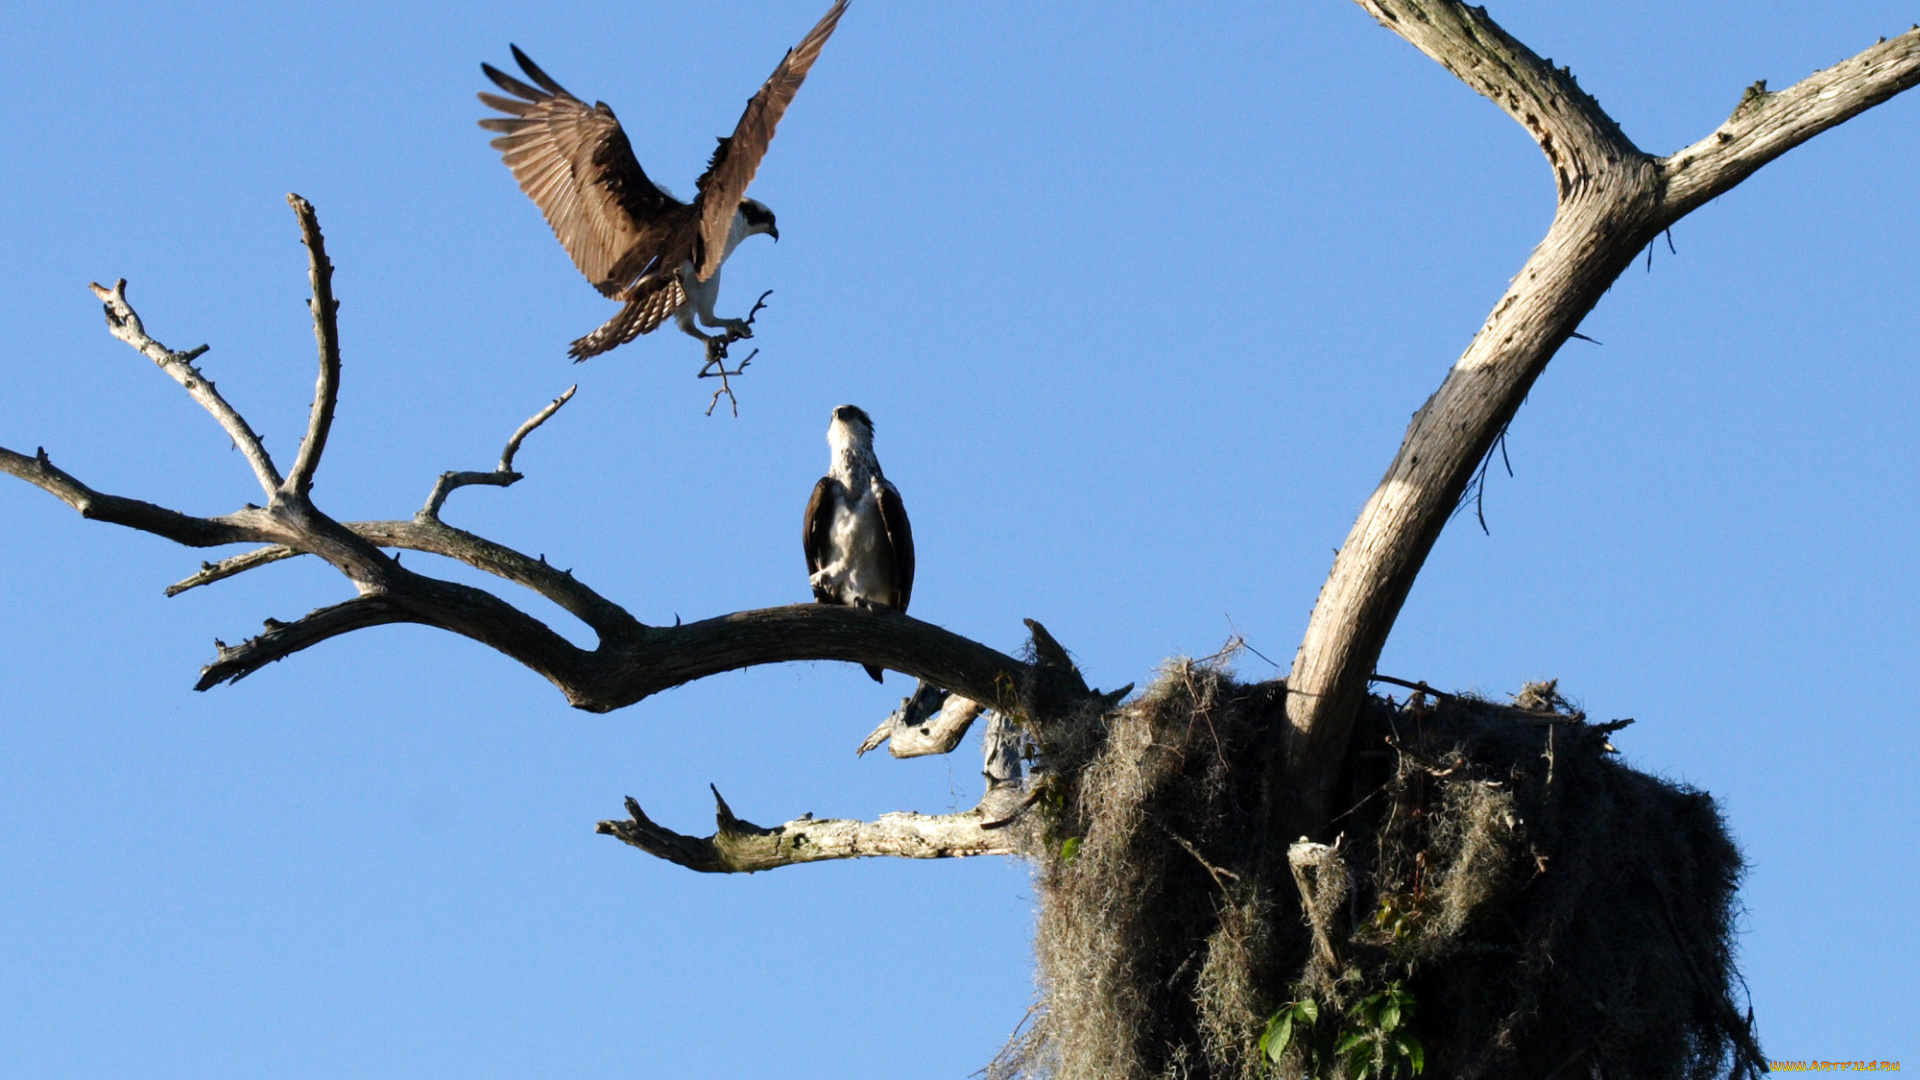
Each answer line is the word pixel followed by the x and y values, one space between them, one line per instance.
pixel 1140 297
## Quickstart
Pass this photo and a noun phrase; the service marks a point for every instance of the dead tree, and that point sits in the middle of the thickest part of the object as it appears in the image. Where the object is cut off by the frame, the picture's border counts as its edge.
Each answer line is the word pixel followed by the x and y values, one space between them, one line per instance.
pixel 1613 200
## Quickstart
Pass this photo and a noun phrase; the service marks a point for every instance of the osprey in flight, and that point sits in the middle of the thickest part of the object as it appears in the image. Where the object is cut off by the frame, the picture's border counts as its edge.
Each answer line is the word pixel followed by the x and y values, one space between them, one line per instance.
pixel 859 544
pixel 635 242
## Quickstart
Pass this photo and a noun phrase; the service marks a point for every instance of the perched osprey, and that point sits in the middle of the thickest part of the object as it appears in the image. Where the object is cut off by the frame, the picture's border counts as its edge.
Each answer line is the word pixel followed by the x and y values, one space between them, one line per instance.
pixel 859 544
pixel 635 242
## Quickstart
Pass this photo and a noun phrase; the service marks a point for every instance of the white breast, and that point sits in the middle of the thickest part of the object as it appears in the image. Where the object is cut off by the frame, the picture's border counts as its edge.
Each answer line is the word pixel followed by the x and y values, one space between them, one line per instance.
pixel 858 540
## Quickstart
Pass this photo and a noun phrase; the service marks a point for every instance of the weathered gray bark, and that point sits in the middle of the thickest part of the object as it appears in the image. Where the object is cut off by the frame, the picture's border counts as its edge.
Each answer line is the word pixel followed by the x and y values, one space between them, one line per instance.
pixel 994 827
pixel 931 720
pixel 1614 199
pixel 740 847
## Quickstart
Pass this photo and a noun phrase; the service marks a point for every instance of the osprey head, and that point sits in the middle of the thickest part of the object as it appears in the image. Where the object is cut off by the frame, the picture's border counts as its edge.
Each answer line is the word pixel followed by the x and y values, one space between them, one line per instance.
pixel 851 427
pixel 759 219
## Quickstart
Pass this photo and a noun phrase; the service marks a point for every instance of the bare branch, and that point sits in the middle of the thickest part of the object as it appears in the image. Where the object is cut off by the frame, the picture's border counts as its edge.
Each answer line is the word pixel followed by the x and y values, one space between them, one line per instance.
pixel 125 324
pixel 716 368
pixel 520 433
pixel 438 538
pixel 502 475
pixel 1579 139
pixel 282 640
pixel 607 618
pixel 1766 125
pixel 412 598
pixel 211 572
pixel 929 721
pixel 664 657
pixel 326 334
pixel 635 661
pixel 717 344
pixel 1614 200
pixel 740 847
pixel 247 526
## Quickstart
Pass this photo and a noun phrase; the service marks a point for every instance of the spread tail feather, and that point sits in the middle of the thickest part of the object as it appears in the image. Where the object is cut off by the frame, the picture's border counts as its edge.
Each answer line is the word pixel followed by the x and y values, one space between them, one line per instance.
pixel 641 315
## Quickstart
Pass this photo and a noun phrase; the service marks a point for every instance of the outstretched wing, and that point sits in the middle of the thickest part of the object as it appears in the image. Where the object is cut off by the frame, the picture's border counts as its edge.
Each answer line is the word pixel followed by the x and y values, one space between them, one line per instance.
pixel 738 156
pixel 816 528
pixel 900 538
pixel 575 163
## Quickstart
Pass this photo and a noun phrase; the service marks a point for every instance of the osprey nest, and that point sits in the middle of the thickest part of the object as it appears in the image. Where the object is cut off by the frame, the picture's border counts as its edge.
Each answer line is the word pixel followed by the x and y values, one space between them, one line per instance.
pixel 1505 899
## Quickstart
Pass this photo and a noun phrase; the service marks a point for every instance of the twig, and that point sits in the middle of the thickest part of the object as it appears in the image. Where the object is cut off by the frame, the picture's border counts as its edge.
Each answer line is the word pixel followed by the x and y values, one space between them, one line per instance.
pixel 717 344
pixel 1430 766
pixel 502 475
pixel 1420 686
pixel 1213 871
pixel 534 421
pixel 716 367
pixel 211 572
pixel 124 323
pixel 1476 490
pixel 987 1069
pixel 718 364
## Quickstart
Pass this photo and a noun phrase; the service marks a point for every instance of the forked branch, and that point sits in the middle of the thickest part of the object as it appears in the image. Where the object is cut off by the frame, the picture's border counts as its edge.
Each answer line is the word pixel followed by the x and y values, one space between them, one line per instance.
pixel 501 475
pixel 1613 200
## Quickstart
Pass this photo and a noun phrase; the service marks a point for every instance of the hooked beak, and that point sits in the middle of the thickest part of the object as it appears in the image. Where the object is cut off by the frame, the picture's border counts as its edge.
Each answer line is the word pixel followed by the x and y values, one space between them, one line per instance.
pixel 775 233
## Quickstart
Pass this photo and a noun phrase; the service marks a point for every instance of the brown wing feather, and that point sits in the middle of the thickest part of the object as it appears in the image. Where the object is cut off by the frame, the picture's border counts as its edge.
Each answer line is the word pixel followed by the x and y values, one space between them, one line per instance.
pixel 900 538
pixel 814 529
pixel 574 161
pixel 738 156
pixel 648 305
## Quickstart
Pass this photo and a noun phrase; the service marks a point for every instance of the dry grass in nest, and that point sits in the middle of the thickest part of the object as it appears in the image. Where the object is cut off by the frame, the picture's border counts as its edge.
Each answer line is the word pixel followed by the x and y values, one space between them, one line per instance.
pixel 1554 913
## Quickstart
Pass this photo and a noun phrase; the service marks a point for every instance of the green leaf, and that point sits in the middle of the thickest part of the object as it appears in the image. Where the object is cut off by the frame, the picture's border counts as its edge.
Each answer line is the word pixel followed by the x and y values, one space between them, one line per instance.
pixel 1278 1034
pixel 1352 1040
pixel 1415 1053
pixel 1309 1009
pixel 1069 849
pixel 1390 1013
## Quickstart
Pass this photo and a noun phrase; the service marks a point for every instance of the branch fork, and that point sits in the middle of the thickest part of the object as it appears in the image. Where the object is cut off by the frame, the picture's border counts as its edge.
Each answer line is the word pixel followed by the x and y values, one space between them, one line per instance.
pixel 1614 199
